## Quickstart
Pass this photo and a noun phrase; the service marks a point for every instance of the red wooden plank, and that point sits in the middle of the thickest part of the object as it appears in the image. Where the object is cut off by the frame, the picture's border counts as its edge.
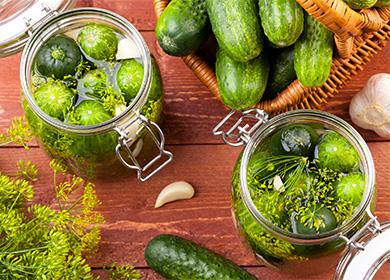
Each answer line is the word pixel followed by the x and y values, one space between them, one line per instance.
pixel 131 220
pixel 138 12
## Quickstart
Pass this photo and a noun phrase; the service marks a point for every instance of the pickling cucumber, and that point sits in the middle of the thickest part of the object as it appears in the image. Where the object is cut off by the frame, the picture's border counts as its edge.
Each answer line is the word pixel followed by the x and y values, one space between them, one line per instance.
pixel 360 4
pixel 282 72
pixel 383 4
pixel 176 258
pixel 241 84
pixel 282 21
pixel 183 27
pixel 237 28
pixel 313 53
pixel 58 57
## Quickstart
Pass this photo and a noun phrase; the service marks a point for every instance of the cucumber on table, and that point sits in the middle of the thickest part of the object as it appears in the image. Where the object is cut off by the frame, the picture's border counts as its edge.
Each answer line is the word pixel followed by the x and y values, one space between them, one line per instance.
pixel 360 4
pixel 241 84
pixel 282 72
pixel 183 27
pixel 176 258
pixel 313 53
pixel 282 21
pixel 237 28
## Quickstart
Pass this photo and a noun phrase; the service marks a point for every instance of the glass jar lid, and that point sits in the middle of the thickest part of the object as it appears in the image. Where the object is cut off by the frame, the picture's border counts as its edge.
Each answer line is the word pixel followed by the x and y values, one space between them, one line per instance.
pixel 367 254
pixel 19 18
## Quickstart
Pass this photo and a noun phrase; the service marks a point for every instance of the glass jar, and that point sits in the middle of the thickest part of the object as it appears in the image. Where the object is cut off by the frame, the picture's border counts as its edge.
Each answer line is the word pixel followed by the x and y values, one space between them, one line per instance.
pixel 304 254
pixel 132 138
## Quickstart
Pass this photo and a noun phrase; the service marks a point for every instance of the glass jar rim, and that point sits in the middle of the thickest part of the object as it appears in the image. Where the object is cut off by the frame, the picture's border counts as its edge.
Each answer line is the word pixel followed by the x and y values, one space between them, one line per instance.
pixel 356 140
pixel 48 29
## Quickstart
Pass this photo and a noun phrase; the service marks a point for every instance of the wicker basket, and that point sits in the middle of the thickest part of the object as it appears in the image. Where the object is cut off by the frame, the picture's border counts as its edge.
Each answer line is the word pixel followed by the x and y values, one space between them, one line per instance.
pixel 358 36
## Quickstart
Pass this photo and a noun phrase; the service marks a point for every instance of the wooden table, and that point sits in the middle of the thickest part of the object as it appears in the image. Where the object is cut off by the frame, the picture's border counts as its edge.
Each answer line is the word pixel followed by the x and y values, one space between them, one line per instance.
pixel 191 113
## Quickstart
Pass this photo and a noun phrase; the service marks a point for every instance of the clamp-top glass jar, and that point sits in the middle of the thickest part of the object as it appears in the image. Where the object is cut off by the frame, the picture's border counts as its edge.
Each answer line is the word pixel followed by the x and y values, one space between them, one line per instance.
pixel 303 192
pixel 115 91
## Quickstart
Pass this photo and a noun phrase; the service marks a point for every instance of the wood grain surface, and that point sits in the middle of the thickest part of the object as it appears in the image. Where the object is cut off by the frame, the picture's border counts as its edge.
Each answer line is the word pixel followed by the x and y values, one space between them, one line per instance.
pixel 191 112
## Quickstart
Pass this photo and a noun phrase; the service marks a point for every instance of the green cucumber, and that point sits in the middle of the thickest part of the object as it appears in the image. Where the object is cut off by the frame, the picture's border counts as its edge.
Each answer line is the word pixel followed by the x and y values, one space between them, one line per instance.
pixel 282 72
pixel 183 27
pixel 54 98
pixel 58 57
pixel 98 41
pixel 313 53
pixel 130 77
pixel 237 28
pixel 241 84
pixel 282 21
pixel 383 4
pixel 360 4
pixel 176 258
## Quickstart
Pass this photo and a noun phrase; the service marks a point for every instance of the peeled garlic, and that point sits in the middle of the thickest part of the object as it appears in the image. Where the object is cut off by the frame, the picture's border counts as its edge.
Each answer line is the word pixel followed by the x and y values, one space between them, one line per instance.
pixel 278 184
pixel 119 109
pixel 175 191
pixel 370 108
pixel 127 49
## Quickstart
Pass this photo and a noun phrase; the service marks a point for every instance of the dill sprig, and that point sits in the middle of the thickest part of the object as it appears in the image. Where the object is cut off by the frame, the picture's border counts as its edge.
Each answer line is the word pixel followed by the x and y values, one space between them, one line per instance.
pixel 305 187
pixel 122 272
pixel 27 170
pixel 18 133
pixel 83 67
pixel 43 242
pixel 265 168
pixel 111 99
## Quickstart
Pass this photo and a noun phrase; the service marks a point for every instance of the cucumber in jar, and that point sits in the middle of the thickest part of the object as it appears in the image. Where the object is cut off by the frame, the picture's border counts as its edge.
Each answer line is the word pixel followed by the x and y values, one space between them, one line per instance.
pixel 88 91
pixel 91 112
pixel 93 83
pixel 298 190
pixel 54 98
pixel 336 153
pixel 295 140
pixel 130 76
pixel 98 41
pixel 58 57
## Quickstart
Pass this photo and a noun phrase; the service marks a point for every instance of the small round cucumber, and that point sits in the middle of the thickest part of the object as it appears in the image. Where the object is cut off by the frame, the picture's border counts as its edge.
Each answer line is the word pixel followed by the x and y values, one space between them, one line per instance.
pixel 98 41
pixel 58 57
pixel 296 139
pixel 176 258
pixel 351 188
pixel 336 153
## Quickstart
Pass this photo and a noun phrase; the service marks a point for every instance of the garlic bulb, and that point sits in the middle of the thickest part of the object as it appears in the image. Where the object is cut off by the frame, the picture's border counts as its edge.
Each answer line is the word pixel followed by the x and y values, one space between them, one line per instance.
pixel 370 108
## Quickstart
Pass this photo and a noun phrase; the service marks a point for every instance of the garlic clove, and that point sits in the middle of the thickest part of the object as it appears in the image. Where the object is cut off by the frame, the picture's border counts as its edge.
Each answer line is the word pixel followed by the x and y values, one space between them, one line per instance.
pixel 119 109
pixel 278 184
pixel 127 49
pixel 174 191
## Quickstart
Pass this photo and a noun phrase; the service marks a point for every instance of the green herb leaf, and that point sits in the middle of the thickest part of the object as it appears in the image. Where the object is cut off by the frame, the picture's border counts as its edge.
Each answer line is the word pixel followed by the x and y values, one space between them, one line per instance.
pixel 123 272
pixel 18 133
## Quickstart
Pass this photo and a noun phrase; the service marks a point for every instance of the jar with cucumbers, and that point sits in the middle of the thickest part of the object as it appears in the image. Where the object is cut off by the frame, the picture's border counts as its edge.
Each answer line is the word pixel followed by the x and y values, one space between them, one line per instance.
pixel 93 94
pixel 303 189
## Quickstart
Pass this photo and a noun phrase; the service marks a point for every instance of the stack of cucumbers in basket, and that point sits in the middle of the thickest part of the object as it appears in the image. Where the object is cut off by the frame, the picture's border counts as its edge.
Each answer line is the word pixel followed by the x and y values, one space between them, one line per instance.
pixel 263 45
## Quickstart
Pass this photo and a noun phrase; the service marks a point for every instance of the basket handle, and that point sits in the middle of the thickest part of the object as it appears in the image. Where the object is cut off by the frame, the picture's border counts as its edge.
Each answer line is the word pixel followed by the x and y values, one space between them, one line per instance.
pixel 343 21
